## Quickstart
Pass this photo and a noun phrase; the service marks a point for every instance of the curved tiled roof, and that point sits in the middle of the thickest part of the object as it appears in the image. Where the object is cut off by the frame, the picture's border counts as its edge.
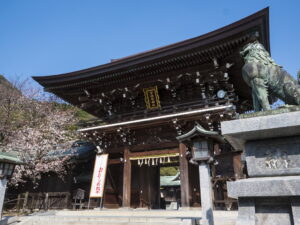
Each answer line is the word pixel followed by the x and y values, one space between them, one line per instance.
pixel 210 43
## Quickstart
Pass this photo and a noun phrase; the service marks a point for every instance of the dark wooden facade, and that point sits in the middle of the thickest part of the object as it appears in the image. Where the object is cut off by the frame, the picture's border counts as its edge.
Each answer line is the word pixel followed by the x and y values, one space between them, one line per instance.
pixel 196 80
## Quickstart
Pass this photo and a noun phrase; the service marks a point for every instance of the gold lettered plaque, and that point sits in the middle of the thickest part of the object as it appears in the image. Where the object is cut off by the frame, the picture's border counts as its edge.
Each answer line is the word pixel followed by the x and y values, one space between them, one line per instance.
pixel 152 98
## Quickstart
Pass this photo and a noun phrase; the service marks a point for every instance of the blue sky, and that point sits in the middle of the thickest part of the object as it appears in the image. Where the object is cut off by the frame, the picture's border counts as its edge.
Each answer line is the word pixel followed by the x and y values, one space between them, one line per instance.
pixel 47 37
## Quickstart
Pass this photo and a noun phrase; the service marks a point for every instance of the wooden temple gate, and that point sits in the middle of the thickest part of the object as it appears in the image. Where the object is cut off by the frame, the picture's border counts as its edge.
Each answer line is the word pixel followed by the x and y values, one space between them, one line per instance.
pixel 135 167
pixel 146 100
pixel 141 182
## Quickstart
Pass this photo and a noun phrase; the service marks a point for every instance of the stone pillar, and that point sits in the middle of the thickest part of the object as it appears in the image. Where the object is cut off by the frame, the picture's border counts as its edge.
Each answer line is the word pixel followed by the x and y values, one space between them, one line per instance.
pixel 295 202
pixel 126 179
pixel 206 193
pixel 246 212
pixel 184 176
pixel 3 183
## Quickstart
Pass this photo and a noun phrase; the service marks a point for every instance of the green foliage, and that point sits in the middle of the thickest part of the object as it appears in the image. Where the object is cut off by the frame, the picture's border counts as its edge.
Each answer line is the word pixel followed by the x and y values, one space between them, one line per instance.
pixel 169 171
pixel 4 83
pixel 2 78
pixel 71 127
pixel 61 106
pixel 84 116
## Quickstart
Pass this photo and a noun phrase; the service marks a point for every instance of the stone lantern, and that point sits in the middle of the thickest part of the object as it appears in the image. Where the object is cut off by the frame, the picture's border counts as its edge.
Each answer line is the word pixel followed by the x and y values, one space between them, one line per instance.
pixel 201 143
pixel 201 150
pixel 7 166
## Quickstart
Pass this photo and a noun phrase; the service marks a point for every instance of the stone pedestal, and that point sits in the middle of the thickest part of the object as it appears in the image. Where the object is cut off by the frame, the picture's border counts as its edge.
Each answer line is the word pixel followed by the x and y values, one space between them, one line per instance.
pixel 271 145
pixel 206 196
pixel 3 183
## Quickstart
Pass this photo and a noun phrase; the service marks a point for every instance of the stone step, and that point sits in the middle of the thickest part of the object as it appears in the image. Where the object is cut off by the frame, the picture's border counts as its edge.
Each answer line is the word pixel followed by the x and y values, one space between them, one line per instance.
pixel 63 220
pixel 131 213
pixel 95 218
pixel 124 217
pixel 97 223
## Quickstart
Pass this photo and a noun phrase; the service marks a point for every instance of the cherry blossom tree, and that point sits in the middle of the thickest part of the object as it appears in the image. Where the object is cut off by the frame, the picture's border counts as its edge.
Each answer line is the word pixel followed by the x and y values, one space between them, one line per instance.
pixel 33 125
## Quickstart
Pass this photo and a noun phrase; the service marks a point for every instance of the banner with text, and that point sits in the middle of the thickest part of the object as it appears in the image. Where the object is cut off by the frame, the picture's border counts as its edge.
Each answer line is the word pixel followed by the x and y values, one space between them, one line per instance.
pixel 98 181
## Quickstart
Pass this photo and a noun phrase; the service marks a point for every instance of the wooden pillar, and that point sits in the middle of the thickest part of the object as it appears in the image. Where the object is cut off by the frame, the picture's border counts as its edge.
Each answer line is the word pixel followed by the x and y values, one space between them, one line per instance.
pixel 184 176
pixel 18 202
pixel 25 201
pixel 237 165
pixel 46 201
pixel 126 179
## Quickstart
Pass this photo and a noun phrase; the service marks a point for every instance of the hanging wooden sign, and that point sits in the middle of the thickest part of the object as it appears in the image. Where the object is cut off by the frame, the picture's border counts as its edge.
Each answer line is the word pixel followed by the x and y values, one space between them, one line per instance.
pixel 99 174
pixel 152 98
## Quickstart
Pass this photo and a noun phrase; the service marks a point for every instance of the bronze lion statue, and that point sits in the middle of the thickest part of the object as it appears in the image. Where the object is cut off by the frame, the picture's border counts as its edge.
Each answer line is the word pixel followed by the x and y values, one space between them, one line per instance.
pixel 266 78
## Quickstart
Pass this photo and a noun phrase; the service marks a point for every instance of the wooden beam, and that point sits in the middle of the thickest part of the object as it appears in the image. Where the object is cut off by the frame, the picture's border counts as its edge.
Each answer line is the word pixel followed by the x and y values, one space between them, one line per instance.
pixel 184 176
pixel 140 147
pixel 155 152
pixel 126 179
pixel 114 161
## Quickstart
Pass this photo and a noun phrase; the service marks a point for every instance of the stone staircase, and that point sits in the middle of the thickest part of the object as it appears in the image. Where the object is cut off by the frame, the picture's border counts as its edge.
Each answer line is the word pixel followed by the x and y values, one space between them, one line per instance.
pixel 125 217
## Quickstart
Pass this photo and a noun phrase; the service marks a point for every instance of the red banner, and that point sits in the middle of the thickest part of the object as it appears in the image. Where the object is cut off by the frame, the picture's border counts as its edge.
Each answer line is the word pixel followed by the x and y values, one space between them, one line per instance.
pixel 98 181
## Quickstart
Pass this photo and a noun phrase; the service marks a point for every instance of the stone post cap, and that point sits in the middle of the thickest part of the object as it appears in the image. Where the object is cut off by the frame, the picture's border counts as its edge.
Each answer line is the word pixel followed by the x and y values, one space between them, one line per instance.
pixel 238 132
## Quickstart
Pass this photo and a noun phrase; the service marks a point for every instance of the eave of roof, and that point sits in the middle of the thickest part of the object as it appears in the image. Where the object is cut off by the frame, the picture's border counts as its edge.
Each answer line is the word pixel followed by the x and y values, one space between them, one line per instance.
pixel 170 180
pixel 10 158
pixel 157 119
pixel 75 152
pixel 260 18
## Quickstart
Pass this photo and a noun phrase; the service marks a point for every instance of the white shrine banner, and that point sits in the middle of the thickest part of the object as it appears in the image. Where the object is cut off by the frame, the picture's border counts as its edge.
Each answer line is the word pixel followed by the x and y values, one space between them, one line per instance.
pixel 99 174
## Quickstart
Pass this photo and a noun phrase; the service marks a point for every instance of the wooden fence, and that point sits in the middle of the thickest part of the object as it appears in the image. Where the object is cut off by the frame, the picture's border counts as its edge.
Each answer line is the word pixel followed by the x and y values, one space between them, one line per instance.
pixel 33 201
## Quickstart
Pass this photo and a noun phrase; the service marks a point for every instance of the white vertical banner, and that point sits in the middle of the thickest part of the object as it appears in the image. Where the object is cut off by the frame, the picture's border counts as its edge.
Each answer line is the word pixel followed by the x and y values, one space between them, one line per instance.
pixel 99 175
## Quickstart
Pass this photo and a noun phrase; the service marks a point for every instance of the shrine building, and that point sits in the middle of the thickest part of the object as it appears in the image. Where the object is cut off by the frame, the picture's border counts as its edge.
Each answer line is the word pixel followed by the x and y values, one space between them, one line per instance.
pixel 146 100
